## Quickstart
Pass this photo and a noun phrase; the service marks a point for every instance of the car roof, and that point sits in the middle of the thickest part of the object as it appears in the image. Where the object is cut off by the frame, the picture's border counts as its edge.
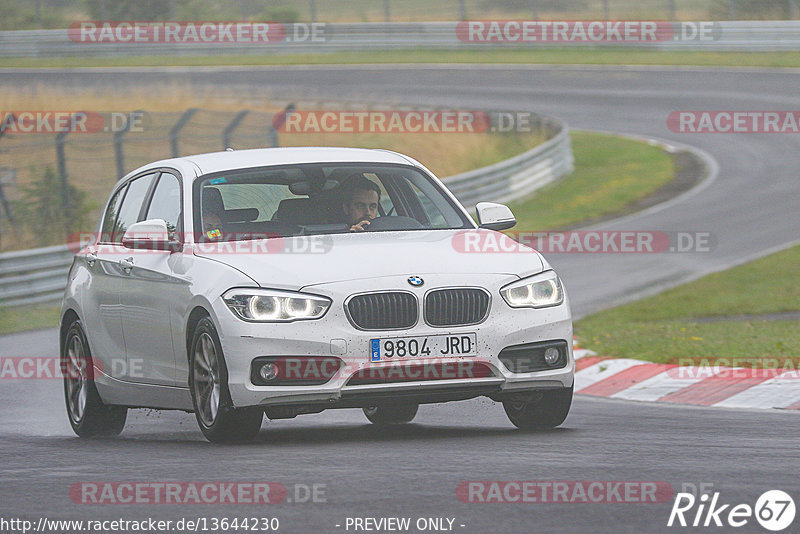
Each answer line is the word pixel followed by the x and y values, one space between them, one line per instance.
pixel 260 157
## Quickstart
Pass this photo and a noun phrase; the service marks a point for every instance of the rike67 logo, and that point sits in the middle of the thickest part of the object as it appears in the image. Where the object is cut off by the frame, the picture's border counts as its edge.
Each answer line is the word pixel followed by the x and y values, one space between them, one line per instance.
pixel 774 510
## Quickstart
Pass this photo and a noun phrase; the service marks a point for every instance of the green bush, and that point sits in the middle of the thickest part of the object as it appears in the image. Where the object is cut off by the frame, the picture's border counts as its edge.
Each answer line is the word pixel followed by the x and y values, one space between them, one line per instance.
pixel 542 5
pixel 16 15
pixel 44 212
pixel 128 9
pixel 287 15
pixel 751 9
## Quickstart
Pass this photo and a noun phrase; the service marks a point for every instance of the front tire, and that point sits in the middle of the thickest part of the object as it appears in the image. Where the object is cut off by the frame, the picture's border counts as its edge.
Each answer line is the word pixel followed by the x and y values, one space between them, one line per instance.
pixel 219 421
pixel 547 412
pixel 88 415
pixel 391 415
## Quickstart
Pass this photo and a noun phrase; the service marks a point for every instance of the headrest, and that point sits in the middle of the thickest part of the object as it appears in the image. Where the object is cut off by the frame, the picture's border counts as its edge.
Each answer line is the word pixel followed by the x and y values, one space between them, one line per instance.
pixel 240 215
pixel 297 211
pixel 212 201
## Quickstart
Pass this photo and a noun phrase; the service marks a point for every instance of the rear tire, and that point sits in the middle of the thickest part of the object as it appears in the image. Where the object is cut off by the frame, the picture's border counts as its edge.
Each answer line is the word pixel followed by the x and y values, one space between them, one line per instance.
pixel 88 415
pixel 547 412
pixel 391 415
pixel 219 421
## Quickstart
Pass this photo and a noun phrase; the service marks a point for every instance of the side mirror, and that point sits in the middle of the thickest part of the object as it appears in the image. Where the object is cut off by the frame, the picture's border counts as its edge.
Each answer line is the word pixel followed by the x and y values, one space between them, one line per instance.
pixel 494 216
pixel 151 235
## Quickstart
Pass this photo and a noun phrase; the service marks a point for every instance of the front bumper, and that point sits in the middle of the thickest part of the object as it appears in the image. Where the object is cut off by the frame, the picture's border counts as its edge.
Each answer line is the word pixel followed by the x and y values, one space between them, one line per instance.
pixel 333 335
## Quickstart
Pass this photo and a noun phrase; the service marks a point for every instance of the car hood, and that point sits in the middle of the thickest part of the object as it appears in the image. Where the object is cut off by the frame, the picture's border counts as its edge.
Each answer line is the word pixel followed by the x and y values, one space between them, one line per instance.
pixel 296 262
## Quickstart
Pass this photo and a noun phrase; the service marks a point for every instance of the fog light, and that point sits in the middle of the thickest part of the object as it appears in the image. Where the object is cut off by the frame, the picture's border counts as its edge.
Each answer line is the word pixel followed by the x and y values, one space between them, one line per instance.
pixel 268 371
pixel 551 356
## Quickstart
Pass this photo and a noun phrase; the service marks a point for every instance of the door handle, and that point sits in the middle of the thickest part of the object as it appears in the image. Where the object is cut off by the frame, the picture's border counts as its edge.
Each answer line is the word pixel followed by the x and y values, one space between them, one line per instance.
pixel 91 259
pixel 126 264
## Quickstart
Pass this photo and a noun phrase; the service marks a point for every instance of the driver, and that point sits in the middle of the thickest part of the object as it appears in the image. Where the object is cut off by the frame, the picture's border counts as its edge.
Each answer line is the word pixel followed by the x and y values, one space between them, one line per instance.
pixel 360 202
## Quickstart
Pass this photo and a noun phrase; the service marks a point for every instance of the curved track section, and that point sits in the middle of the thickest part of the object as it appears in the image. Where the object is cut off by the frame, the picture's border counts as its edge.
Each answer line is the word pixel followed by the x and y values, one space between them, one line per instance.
pixel 750 208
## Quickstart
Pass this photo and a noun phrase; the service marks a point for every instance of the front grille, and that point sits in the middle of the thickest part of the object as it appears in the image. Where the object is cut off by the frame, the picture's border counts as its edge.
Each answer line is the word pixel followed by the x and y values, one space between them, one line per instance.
pixel 383 311
pixel 456 307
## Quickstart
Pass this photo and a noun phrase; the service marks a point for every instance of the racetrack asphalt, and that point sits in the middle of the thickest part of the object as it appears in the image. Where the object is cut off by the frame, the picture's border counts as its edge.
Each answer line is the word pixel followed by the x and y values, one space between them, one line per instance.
pixel 750 208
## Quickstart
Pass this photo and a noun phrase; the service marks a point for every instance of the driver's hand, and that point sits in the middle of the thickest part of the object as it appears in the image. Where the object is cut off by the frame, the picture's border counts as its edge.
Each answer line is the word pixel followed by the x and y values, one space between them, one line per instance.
pixel 360 227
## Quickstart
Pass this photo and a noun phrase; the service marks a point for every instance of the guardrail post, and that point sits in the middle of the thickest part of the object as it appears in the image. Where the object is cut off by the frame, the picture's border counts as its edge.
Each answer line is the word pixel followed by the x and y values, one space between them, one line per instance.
pixel 606 10
pixel 313 8
pixel 119 154
pixel 794 11
pixel 462 10
pixel 62 172
pixel 226 134
pixel 672 10
pixel 278 121
pixel 176 130
pixel 7 176
pixel 7 120
pixel 535 9
pixel 3 125
pixel 387 11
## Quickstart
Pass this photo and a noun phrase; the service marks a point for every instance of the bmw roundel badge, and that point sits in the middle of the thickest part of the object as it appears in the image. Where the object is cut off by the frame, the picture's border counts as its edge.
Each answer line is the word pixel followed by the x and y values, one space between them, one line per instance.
pixel 415 281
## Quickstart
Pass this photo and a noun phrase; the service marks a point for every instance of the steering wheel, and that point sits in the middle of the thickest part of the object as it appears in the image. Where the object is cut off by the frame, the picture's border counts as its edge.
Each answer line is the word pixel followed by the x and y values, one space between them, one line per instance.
pixel 397 222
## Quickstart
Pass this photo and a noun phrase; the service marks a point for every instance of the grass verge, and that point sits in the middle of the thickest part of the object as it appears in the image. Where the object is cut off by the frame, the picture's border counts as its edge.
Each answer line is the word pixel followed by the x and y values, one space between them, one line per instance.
pixel 549 56
pixel 22 318
pixel 664 328
pixel 610 174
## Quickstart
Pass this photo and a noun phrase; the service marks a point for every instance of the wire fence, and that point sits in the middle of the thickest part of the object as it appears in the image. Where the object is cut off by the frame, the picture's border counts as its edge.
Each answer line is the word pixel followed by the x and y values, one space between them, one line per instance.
pixel 54 184
pixel 40 171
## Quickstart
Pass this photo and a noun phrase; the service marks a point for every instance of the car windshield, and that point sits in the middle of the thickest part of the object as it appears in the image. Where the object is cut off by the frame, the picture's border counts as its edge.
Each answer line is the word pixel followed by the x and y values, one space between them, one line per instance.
pixel 312 199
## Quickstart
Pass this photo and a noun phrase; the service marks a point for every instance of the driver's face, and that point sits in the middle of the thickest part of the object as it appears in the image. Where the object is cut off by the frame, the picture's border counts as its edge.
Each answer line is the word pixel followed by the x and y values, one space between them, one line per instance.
pixel 362 206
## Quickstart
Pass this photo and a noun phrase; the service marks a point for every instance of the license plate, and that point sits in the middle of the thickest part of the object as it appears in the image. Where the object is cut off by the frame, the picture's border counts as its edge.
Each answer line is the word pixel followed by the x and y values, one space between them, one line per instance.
pixel 397 348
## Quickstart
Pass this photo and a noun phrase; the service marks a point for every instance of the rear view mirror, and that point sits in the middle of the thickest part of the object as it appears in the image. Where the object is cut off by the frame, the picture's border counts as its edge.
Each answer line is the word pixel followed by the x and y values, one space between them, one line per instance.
pixel 494 216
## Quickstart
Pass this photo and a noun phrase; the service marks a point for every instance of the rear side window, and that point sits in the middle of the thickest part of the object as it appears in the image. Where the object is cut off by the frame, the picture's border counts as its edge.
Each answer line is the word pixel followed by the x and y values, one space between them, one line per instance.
pixel 166 203
pixel 131 205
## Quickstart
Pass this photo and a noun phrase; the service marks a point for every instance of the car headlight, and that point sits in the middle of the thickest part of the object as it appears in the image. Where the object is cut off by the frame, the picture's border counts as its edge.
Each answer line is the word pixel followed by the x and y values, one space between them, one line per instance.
pixel 540 291
pixel 274 306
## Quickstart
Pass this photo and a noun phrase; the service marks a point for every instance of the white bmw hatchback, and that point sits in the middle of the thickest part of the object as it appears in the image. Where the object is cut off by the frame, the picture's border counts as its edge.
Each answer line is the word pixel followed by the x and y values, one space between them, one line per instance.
pixel 294 280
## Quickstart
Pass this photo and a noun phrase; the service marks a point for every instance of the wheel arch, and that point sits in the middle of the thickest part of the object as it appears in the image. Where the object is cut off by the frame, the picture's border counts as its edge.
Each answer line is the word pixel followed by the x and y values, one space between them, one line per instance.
pixel 69 317
pixel 197 313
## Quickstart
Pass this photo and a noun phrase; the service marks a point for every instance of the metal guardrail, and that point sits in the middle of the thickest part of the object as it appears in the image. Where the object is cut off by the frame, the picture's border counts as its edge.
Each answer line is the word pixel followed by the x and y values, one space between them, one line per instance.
pixel 33 276
pixel 519 176
pixel 39 275
pixel 727 35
